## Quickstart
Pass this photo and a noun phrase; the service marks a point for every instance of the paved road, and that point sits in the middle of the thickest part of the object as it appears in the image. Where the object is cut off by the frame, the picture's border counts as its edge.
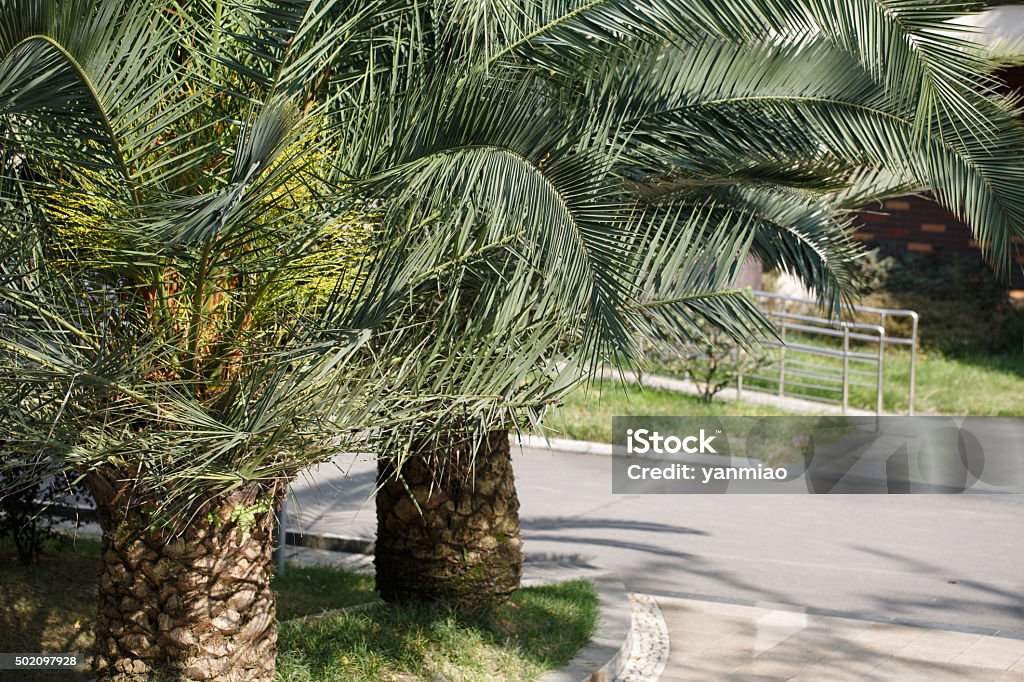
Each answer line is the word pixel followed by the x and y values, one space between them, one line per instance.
pixel 944 560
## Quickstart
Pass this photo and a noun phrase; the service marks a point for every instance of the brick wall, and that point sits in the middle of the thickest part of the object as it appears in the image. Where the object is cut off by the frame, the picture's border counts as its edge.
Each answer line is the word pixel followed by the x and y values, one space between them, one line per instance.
pixel 918 224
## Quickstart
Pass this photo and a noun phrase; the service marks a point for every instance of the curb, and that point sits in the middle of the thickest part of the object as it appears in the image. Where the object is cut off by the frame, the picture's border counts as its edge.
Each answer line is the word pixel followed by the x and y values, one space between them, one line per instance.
pixel 605 656
pixel 331 543
pixel 579 447
pixel 583 447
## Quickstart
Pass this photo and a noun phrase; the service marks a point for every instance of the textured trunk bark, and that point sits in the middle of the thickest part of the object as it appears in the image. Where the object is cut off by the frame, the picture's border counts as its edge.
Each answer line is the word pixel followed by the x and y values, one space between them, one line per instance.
pixel 192 606
pixel 464 548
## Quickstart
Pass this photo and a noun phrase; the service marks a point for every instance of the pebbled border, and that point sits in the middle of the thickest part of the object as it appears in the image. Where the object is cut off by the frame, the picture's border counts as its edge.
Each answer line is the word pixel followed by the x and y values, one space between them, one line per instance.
pixel 606 655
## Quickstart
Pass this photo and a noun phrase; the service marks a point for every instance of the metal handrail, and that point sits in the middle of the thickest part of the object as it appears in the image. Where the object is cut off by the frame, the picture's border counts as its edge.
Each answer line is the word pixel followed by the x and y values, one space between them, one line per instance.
pixel 792 378
pixel 836 328
pixel 816 350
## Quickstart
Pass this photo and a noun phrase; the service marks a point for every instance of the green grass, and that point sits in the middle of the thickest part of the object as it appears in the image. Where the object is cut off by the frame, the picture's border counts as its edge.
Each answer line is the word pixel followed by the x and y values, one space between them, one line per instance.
pixel 538 630
pixel 970 385
pixel 587 414
pixel 313 589
pixel 988 386
pixel 50 607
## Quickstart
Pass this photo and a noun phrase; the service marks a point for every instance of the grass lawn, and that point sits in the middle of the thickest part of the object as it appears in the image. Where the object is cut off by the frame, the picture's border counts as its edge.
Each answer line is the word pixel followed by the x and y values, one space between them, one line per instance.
pixel 50 607
pixel 540 629
pixel 988 386
pixel 587 414
pixel 979 386
pixel 985 386
pixel 312 589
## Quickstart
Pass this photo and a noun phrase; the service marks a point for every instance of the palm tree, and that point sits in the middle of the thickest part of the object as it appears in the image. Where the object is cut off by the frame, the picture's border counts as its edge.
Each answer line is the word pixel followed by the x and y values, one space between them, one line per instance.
pixel 189 296
pixel 564 300
pixel 753 125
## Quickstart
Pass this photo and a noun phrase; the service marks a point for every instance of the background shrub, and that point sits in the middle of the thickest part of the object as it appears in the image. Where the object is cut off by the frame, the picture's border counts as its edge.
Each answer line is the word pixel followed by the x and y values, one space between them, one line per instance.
pixel 964 307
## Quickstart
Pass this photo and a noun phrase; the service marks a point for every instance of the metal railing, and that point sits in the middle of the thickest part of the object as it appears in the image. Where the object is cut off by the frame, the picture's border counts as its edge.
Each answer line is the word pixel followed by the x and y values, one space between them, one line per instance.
pixel 822 359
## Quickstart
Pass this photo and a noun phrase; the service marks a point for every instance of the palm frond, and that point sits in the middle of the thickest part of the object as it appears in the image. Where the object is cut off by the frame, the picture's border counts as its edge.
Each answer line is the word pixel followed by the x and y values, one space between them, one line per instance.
pixel 718 115
pixel 687 271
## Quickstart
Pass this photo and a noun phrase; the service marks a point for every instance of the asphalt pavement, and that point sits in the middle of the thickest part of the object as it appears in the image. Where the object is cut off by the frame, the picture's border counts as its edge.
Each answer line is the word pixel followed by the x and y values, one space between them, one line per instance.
pixel 949 561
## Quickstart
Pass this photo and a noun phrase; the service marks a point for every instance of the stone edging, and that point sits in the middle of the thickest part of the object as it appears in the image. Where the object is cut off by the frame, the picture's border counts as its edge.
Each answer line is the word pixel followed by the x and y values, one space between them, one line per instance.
pixel 605 656
pixel 331 543
pixel 651 644
pixel 583 447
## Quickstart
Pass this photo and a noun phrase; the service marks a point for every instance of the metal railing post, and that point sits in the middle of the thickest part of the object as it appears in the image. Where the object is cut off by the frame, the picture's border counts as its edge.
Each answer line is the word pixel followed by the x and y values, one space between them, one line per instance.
pixel 914 317
pixel 846 367
pixel 282 538
pixel 880 398
pixel 782 361
pixel 739 375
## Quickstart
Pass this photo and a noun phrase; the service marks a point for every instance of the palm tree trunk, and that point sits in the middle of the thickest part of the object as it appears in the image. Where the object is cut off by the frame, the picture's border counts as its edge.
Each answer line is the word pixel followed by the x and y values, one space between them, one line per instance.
pixel 462 544
pixel 196 605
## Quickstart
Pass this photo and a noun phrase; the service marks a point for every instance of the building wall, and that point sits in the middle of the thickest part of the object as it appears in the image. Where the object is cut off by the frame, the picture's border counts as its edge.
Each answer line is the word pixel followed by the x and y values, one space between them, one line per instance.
pixel 919 225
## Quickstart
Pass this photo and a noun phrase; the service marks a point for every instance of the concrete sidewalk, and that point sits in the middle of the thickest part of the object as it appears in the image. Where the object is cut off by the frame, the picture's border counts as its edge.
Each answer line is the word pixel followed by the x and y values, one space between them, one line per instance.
pixel 718 641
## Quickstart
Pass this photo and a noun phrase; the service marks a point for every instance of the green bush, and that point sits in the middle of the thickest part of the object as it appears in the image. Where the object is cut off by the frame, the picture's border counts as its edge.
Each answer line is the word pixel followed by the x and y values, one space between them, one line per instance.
pixel 964 308
pixel 713 362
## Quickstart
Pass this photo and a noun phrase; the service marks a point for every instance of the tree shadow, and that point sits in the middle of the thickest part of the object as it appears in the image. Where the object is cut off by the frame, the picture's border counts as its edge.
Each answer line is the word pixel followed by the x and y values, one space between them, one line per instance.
pixel 981 597
pixel 575 522
pixel 49 606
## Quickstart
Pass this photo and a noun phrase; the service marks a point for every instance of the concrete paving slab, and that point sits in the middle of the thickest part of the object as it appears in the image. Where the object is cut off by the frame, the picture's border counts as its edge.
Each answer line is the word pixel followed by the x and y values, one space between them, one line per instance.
pixel 749 644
